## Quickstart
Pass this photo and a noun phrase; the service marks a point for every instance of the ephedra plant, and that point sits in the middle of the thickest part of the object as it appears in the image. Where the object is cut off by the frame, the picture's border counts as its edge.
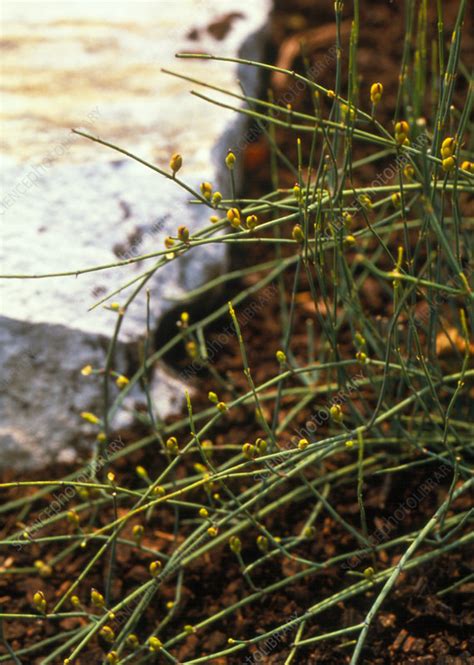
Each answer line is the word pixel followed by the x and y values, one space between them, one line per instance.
pixel 370 398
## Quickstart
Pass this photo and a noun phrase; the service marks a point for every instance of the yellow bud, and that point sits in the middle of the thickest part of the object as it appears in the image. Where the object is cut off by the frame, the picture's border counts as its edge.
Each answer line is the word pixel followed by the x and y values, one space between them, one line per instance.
pixel 376 91
pixel 252 222
pixel 350 240
pixel 183 233
pixel 468 166
pixel 230 160
pixel 155 568
pixel 216 198
pixel 409 172
pixel 361 356
pixel 203 512
pixel 365 201
pixel 75 601
pixel 347 218
pixel 111 477
pixel 212 397
pixel 448 147
pixel 112 657
pixel 448 164
pixel 169 242
pixel 212 531
pixel 248 451
pixel 349 443
pixel 87 370
pixel 298 233
pixel 97 599
pixel 402 127
pixel 90 417
pixel 39 601
pixel 176 162
pixel 159 490
pixel 141 472
pixel 73 518
pixel 122 381
pixel 396 199
pixel 303 444
pixel 213 219
pixel 138 531
pixel 101 437
pixel 115 306
pixel 281 357
pixel 107 634
pixel 154 644
pixel 261 446
pixel 189 629
pixel 262 543
pixel 331 94
pixel 172 445
pixel 233 215
pixel 206 190
pixel 235 544
pixel 309 532
pixel 336 413
pixel 221 406
pixel 132 641
pixel 369 572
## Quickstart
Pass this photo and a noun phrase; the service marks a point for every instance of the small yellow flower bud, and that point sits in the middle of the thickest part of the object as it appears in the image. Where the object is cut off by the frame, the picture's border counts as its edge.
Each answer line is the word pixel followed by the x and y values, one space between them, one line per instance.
pixel 252 222
pixel 233 215
pixel 112 657
pixel 298 233
pixel 396 199
pixel 159 490
pixel 365 201
pixel 248 451
pixel 309 532
pixel 155 568
pixel 409 172
pixel 39 601
pixel 361 356
pixel 101 437
pixel 206 190
pixel 216 198
pixel 183 233
pixel 262 544
pixel 189 629
pixel 87 370
pixel 172 445
pixel 281 357
pixel 448 147
pixel 336 413
pixel 203 512
pixel 261 446
pixel 141 472
pixel 468 166
pixel 97 599
pixel 138 531
pixel 111 477
pixel 73 518
pixel 402 127
pixel 349 443
pixel 303 444
pixel 221 406
pixel 132 641
pixel 235 544
pixel 200 468
pixel 176 162
pixel 154 644
pixel 347 219
pixel 350 240
pixel 122 381
pixel 213 531
pixel 230 160
pixel 214 219
pixel 331 94
pixel 169 242
pixel 448 164
pixel 212 397
pixel 376 91
pixel 369 572
pixel 75 601
pixel 107 634
pixel 90 417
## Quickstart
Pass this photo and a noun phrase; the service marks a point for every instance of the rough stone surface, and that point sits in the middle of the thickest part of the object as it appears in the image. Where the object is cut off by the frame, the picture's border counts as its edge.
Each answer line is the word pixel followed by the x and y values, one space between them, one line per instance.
pixel 67 203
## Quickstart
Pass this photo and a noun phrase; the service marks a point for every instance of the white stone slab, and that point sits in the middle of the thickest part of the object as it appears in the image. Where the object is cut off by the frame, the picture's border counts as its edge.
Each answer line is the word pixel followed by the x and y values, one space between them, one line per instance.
pixel 67 203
